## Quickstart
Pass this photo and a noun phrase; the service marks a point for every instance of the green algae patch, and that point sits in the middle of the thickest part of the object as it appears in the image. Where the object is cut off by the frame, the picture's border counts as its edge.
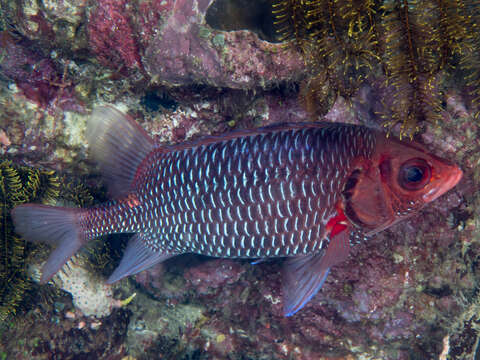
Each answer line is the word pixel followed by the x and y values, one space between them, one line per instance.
pixel 218 40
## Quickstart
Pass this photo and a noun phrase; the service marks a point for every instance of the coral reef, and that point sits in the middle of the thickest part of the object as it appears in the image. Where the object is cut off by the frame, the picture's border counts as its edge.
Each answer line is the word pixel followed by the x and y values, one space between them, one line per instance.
pixel 91 297
pixel 190 68
pixel 186 52
pixel 56 330
pixel 36 76
pixel 111 36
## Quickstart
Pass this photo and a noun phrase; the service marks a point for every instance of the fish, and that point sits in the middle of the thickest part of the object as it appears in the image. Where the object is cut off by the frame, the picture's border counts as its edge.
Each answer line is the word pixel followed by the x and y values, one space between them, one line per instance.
pixel 306 192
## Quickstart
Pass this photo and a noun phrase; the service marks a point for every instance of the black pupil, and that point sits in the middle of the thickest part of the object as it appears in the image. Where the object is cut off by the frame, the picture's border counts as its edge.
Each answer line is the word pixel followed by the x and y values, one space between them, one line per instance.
pixel 414 174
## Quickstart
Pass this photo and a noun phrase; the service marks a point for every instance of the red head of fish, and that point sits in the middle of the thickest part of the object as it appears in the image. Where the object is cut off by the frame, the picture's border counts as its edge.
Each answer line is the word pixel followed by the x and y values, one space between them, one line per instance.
pixel 397 181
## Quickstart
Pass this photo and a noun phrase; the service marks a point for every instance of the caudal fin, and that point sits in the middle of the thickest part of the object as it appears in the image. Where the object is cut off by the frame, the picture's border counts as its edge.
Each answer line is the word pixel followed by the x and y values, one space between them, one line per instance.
pixel 56 226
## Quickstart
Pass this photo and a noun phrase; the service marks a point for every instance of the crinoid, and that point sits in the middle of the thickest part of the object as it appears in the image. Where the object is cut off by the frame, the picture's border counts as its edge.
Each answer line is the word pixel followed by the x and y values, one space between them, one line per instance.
pixel 18 185
pixel 415 46
pixel 339 42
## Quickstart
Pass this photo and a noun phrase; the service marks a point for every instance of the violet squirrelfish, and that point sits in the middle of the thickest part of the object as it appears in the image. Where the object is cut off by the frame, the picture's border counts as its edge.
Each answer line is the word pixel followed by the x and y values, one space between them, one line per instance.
pixel 303 191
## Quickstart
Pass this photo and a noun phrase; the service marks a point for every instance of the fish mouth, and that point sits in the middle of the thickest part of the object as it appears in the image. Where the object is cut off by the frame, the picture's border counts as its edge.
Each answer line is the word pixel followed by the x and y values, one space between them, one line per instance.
pixel 444 185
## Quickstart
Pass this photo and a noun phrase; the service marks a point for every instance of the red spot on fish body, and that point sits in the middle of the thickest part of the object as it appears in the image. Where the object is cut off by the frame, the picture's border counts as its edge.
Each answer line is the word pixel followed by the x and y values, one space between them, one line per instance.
pixel 131 201
pixel 338 223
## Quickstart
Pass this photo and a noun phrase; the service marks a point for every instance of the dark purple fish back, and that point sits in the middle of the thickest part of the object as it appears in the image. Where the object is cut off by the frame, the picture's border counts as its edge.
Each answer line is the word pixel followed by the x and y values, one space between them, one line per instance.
pixel 260 195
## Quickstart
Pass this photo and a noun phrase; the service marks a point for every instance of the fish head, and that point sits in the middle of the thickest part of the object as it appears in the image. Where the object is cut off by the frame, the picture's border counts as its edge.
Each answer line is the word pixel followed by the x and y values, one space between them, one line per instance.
pixel 395 183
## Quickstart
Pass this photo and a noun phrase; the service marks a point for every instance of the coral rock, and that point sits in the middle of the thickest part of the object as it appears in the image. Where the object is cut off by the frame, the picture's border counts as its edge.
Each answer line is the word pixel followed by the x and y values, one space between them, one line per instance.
pixel 211 275
pixel 111 35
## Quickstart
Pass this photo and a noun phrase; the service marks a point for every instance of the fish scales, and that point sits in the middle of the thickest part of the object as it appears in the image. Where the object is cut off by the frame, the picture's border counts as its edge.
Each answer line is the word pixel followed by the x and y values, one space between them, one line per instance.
pixel 250 196
pixel 307 192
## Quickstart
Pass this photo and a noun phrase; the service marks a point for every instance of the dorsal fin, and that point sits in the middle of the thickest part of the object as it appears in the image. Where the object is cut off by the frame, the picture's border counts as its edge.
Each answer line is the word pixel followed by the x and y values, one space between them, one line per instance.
pixel 119 145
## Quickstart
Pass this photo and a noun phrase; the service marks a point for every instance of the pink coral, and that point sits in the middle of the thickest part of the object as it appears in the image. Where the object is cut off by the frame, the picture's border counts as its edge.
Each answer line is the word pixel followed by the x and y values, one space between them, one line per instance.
pixel 111 35
pixel 37 76
pixel 150 14
pixel 186 51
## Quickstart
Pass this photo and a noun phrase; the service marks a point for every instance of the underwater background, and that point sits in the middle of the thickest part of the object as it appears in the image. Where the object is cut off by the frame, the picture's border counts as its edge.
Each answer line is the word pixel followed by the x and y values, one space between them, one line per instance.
pixel 187 68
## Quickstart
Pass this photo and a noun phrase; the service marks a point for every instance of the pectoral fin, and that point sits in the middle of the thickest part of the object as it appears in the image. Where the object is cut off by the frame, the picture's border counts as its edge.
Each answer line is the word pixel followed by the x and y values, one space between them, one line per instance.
pixel 303 276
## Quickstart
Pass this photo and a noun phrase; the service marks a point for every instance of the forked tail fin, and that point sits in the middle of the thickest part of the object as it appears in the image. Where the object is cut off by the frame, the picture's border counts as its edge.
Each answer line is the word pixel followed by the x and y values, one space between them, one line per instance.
pixel 52 225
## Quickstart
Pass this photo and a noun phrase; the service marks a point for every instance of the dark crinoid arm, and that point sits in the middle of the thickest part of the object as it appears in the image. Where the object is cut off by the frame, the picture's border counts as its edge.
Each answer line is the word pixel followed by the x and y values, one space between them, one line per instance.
pixel 423 43
pixel 419 48
pixel 339 43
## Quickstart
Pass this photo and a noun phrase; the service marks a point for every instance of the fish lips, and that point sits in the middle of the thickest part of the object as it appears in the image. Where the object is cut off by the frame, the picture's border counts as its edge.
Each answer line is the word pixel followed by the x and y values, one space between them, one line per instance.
pixel 447 180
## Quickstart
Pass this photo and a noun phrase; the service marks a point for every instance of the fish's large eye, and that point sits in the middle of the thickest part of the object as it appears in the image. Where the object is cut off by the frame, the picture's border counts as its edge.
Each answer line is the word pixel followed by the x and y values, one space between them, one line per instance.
pixel 414 174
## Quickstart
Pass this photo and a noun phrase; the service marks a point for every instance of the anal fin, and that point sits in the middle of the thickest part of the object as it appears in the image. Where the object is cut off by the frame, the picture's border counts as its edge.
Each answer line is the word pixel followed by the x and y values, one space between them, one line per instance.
pixel 138 257
pixel 303 276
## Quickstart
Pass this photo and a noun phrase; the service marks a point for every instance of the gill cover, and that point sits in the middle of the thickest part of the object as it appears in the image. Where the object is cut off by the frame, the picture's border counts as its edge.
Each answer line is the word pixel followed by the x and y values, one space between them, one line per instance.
pixel 366 204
